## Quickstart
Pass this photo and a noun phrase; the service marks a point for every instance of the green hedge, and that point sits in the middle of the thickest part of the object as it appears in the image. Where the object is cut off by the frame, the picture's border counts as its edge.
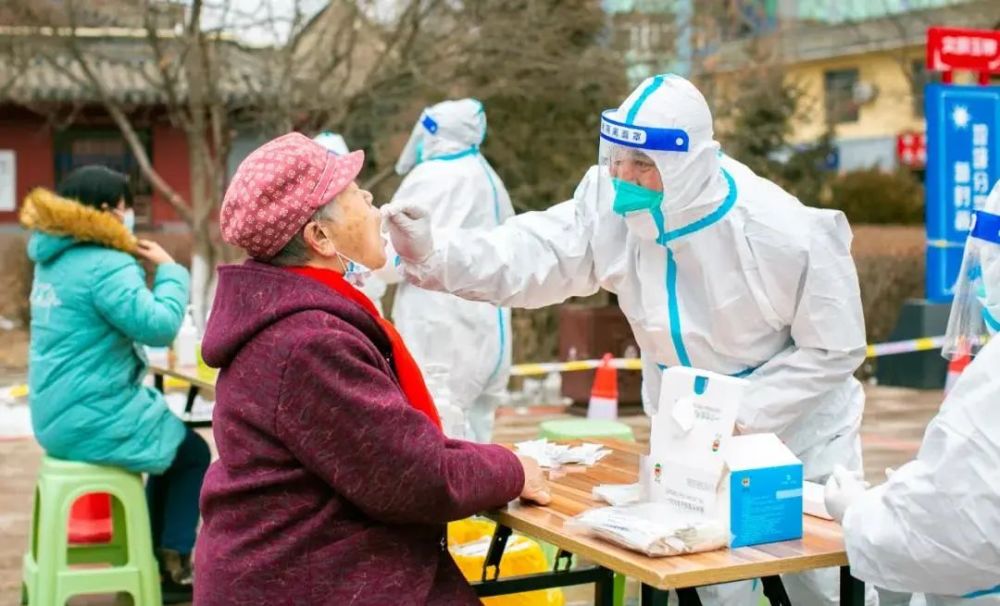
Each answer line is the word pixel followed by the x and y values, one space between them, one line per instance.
pixel 878 198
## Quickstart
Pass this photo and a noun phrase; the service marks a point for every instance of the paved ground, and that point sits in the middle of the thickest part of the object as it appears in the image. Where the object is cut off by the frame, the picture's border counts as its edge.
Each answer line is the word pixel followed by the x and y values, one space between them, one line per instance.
pixel 892 430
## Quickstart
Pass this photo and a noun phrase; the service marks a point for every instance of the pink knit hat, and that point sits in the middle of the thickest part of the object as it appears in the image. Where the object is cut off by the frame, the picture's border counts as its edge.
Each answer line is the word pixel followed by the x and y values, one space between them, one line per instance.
pixel 278 187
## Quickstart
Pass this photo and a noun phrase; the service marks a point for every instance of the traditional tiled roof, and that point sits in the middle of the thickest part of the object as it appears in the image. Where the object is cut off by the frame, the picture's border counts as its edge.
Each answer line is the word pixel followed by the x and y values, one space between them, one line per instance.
pixel 41 68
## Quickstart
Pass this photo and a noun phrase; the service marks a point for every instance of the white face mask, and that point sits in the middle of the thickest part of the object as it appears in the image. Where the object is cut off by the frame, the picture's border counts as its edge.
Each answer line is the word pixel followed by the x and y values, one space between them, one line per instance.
pixel 642 224
pixel 128 220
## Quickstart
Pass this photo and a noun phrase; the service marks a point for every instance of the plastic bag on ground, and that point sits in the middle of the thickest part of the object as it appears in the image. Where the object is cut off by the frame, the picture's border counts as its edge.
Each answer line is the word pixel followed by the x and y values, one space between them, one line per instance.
pixel 652 529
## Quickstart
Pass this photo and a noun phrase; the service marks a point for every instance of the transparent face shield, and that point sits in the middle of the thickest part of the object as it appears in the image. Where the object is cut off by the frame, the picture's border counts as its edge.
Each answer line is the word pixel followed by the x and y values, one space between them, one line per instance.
pixel 626 155
pixel 975 311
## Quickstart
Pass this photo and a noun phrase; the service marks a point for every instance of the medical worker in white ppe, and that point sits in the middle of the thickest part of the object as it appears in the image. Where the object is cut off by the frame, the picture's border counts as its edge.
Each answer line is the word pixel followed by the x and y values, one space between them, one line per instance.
pixel 934 526
pixel 714 267
pixel 465 343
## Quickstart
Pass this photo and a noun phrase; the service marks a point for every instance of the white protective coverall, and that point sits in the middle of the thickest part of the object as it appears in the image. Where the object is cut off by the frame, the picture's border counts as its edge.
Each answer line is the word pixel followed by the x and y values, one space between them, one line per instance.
pixel 934 526
pixel 742 280
pixel 447 176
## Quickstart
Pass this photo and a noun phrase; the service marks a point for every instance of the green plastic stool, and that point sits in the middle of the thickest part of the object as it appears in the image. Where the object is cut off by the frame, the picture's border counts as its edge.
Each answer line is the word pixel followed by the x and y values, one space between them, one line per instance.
pixel 583 429
pixel 47 575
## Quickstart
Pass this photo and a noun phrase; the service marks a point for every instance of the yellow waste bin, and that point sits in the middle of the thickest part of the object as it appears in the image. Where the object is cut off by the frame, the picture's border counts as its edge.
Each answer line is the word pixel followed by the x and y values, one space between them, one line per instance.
pixel 469 541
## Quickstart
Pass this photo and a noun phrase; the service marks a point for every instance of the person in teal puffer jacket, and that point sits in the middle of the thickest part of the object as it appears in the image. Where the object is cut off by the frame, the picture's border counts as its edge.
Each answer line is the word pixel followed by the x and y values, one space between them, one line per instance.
pixel 91 313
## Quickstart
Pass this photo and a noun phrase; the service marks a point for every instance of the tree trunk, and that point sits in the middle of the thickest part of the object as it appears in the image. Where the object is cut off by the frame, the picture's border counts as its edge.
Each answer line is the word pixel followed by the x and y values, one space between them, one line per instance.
pixel 205 254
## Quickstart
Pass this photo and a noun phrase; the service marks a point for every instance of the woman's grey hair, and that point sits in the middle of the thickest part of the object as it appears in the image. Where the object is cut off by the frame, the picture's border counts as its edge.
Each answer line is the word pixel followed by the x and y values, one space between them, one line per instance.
pixel 296 252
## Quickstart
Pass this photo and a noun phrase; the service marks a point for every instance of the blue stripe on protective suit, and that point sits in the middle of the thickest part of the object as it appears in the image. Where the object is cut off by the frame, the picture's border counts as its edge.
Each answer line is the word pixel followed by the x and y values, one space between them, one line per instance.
pixel 672 305
pixel 981 593
pixel 500 319
pixel 674 310
pixel 455 156
pixel 655 84
pixel 501 324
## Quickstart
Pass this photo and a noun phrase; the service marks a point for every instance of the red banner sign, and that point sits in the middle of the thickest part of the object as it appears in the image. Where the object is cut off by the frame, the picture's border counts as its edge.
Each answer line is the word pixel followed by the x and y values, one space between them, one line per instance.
pixel 950 48
pixel 911 149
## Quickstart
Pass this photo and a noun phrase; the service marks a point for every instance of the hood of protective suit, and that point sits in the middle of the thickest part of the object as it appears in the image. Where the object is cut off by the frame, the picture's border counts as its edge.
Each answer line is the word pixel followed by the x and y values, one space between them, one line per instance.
pixel 692 179
pixel 445 129
pixel 333 142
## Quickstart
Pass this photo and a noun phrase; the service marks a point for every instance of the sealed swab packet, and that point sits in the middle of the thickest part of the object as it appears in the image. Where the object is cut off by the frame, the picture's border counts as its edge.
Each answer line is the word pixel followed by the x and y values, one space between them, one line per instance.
pixel 652 529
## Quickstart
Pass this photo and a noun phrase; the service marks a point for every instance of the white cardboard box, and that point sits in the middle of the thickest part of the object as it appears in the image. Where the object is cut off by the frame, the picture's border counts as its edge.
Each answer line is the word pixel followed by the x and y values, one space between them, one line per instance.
pixel 753 483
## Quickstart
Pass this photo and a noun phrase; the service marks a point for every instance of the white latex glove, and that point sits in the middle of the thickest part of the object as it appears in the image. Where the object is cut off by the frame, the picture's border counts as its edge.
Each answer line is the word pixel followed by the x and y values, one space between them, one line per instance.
pixel 410 230
pixel 842 488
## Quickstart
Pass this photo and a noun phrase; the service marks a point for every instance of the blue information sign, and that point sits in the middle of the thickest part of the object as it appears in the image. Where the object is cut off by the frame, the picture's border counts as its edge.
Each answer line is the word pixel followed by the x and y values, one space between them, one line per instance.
pixel 963 163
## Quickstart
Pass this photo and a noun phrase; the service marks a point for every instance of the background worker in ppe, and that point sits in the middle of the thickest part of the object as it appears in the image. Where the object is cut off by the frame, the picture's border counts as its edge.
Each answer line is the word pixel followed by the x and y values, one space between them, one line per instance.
pixel 464 347
pixel 714 267
pixel 934 526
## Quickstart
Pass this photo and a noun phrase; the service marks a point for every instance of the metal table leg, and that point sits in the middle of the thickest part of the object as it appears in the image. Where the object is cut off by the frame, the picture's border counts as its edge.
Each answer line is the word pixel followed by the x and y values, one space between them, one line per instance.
pixel 775 592
pixel 604 589
pixel 852 591
pixel 561 576
pixel 652 596
pixel 495 554
pixel 192 394
pixel 688 597
pixel 158 383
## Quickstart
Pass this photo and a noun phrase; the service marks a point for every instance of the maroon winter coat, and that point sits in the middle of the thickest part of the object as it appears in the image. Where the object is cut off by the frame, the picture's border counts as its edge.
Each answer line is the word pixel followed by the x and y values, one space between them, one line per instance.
pixel 330 488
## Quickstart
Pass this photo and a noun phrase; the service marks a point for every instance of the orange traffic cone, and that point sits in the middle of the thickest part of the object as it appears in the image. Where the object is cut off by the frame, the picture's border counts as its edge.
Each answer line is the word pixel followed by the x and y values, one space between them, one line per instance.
pixel 90 519
pixel 604 393
pixel 959 360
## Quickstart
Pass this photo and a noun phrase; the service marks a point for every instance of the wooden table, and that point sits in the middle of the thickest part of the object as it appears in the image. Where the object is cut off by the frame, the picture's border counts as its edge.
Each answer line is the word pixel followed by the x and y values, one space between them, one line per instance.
pixel 821 546
pixel 197 385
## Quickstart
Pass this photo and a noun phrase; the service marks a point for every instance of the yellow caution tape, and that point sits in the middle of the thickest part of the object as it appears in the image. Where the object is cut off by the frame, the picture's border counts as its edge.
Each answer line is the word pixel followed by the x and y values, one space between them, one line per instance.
pixel 872 351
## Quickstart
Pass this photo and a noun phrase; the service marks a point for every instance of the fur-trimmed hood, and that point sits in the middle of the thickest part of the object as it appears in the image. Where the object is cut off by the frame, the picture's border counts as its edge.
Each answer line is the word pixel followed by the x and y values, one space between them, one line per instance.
pixel 66 222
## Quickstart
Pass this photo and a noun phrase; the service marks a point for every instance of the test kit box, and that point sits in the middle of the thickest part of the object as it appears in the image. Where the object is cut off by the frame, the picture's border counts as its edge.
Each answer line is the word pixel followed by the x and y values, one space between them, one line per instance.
pixel 751 483
pixel 761 493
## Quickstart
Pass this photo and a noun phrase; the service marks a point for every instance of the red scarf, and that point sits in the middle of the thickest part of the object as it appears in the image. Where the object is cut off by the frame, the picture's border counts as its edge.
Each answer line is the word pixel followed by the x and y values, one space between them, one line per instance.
pixel 410 378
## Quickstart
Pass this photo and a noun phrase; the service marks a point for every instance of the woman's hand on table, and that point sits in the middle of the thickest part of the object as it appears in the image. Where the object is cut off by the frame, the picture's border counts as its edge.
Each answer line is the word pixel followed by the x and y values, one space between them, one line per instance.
pixel 536 487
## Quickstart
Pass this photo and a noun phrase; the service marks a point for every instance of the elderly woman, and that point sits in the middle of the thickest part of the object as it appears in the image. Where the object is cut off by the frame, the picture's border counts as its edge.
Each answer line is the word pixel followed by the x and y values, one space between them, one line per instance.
pixel 334 481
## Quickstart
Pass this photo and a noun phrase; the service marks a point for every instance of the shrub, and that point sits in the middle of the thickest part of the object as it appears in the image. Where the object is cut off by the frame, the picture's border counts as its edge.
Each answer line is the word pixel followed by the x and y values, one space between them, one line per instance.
pixel 875 197
pixel 890 261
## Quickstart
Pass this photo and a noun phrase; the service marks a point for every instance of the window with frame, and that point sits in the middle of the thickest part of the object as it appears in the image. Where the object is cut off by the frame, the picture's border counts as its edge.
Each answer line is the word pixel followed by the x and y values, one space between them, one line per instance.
pixel 80 146
pixel 838 90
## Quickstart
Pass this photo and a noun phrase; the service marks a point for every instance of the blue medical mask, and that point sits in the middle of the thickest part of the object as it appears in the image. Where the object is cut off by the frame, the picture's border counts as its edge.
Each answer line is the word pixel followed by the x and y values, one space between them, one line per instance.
pixel 641 208
pixel 128 220
pixel 354 272
pixel 630 198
